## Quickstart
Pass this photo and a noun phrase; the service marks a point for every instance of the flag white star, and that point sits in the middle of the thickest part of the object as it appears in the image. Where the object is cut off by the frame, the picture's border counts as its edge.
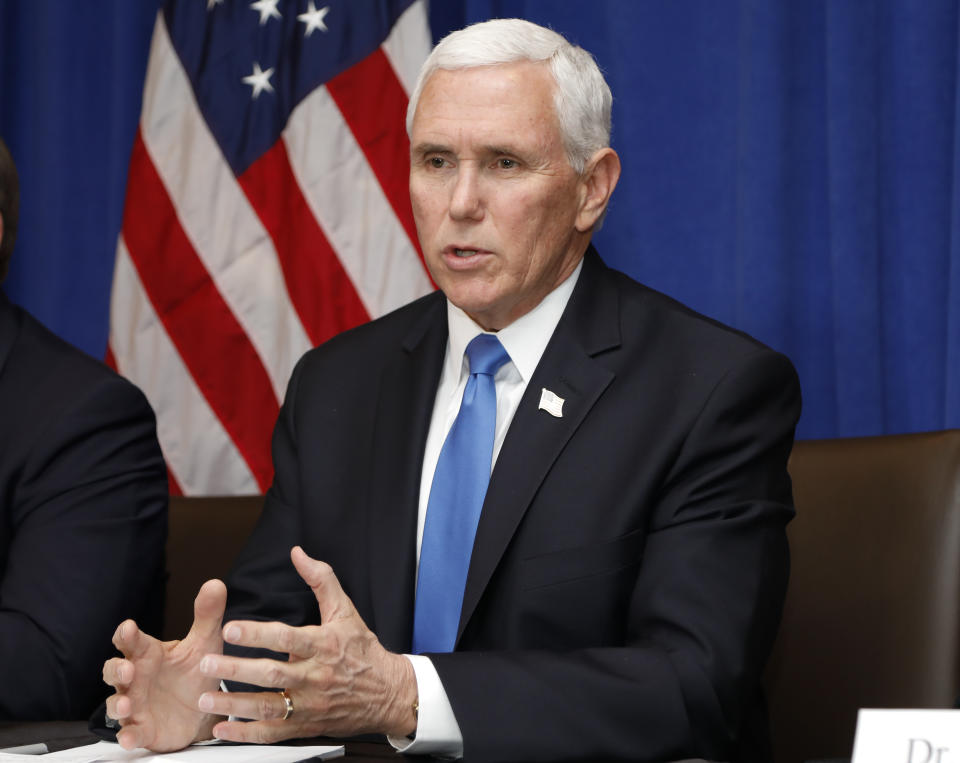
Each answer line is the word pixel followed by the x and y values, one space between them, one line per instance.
pixel 259 80
pixel 267 10
pixel 211 3
pixel 313 18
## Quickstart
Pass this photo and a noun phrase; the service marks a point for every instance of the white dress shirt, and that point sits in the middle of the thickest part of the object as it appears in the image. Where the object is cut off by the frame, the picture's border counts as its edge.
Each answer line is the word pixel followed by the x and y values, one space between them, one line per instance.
pixel 438 732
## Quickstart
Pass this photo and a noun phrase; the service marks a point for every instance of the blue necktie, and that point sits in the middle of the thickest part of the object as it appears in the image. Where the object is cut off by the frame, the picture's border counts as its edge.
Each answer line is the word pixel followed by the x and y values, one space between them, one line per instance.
pixel 456 497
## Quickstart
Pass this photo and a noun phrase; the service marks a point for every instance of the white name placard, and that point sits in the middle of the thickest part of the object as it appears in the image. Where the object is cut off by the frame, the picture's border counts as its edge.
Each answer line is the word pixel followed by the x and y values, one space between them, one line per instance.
pixel 907 736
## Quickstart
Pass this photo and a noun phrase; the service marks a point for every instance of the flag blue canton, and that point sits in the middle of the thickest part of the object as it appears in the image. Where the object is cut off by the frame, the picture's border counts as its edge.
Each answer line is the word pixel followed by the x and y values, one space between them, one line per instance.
pixel 220 46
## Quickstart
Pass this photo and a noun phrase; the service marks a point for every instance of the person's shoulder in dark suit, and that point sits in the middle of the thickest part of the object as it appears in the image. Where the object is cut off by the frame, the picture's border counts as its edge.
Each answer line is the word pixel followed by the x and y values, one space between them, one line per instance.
pixel 83 506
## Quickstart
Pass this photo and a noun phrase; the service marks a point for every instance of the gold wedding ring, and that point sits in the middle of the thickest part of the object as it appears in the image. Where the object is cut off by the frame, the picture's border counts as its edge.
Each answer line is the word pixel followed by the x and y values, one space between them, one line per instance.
pixel 289 704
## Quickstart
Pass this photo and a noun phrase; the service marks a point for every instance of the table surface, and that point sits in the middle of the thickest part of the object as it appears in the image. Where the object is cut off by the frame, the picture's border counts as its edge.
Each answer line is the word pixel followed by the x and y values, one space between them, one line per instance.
pixel 60 735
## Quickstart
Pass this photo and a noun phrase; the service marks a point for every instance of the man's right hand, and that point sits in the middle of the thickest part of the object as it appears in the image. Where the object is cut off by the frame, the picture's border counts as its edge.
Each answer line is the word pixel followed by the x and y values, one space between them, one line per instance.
pixel 158 684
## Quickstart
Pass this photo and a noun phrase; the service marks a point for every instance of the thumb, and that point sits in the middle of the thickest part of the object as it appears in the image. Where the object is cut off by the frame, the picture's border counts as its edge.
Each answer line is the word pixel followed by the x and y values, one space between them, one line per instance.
pixel 208 610
pixel 333 602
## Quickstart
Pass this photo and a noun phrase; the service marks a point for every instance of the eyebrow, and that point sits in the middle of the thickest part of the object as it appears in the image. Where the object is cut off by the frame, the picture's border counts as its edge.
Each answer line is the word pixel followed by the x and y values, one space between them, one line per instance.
pixel 430 148
pixel 504 150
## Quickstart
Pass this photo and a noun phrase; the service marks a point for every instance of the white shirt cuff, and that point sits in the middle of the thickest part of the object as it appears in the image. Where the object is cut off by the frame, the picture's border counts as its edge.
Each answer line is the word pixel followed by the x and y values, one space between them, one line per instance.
pixel 438 732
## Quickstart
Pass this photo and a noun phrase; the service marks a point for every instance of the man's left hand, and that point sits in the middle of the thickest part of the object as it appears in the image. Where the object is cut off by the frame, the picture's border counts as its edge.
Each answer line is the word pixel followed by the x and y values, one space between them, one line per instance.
pixel 339 678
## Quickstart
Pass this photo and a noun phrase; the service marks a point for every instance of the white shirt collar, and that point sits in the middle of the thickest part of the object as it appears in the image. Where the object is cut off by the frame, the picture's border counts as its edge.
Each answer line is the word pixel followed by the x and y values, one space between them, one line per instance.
pixel 524 340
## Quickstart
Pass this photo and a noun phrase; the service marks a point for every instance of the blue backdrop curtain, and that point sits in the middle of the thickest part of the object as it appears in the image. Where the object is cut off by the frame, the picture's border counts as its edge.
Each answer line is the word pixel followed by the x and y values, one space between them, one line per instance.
pixel 790 168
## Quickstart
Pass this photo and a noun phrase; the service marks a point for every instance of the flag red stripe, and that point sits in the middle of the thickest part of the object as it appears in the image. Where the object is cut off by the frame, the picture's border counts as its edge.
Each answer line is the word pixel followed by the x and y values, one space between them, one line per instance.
pixel 374 105
pixel 201 326
pixel 320 289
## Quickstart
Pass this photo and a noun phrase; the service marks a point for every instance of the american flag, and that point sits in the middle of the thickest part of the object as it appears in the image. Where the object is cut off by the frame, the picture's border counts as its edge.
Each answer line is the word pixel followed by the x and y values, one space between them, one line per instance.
pixel 267 210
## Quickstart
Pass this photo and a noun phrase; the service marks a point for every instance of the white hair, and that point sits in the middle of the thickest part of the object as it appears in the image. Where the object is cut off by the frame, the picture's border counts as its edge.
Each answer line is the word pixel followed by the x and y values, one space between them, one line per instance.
pixel 582 97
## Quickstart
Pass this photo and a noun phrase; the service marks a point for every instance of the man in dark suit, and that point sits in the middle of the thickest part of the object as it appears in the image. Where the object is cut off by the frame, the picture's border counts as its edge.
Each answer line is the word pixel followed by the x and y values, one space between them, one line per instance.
pixel 625 579
pixel 83 500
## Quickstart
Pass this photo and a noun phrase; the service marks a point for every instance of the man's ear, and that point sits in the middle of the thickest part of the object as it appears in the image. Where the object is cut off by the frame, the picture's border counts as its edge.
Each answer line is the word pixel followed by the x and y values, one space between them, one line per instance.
pixel 597 182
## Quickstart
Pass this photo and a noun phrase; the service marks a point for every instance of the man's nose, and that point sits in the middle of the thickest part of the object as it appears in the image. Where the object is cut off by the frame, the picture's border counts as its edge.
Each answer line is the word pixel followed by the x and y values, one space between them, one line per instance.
pixel 466 198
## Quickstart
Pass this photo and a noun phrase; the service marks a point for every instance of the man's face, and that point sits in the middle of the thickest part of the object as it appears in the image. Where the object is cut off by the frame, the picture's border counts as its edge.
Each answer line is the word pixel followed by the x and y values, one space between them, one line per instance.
pixel 495 200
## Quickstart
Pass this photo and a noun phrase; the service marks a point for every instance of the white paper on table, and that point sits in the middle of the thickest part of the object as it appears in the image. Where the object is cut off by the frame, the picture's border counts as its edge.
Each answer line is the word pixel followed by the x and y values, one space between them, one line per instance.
pixel 211 753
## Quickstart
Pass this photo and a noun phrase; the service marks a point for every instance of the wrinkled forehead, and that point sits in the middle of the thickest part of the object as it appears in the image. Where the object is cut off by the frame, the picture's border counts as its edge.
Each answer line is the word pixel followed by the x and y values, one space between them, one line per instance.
pixel 520 95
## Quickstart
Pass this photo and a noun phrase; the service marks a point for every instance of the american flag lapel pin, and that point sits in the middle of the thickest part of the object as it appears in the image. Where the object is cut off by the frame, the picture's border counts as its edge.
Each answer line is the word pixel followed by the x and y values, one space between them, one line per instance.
pixel 551 402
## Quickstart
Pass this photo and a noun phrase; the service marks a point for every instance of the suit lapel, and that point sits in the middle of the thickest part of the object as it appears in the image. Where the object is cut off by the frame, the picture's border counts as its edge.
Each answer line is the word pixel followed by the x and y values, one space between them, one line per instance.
pixel 404 405
pixel 590 324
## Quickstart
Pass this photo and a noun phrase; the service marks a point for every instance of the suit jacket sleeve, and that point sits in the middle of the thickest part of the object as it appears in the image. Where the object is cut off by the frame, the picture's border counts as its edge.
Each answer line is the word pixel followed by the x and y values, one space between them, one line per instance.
pixel 83 492
pixel 703 609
